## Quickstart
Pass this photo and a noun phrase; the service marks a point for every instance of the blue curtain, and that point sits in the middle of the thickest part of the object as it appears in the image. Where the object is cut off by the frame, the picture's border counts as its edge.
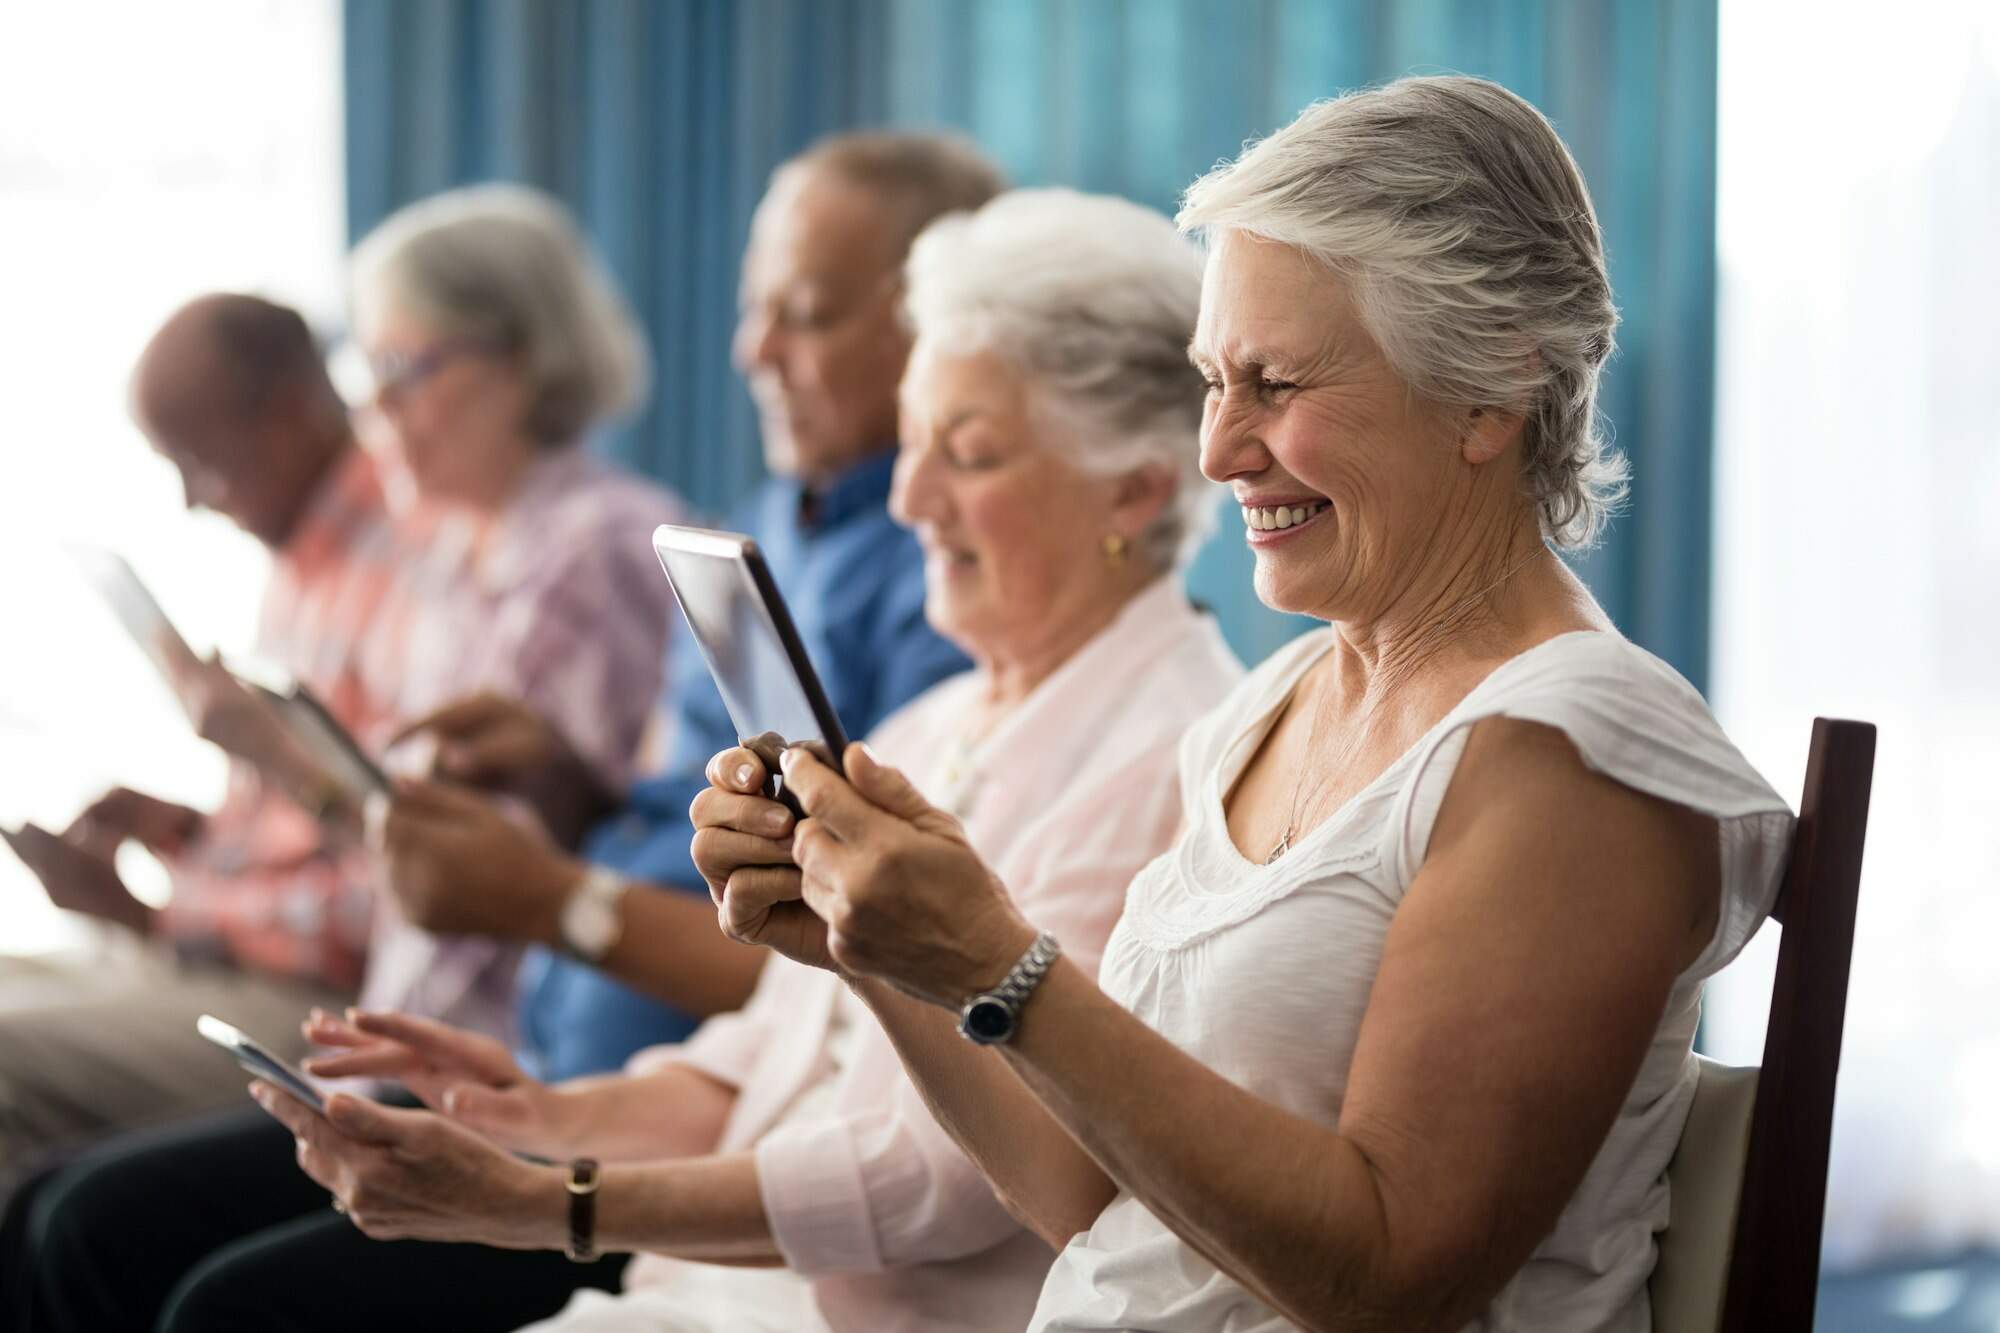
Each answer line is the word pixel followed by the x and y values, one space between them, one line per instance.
pixel 659 122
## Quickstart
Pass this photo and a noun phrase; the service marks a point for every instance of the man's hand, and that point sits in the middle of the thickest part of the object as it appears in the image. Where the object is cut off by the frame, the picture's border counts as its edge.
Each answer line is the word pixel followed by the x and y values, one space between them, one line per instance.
pixel 501 745
pixel 469 1077
pixel 414 1175
pixel 458 865
pixel 79 878
pixel 229 714
pixel 161 826
pixel 241 721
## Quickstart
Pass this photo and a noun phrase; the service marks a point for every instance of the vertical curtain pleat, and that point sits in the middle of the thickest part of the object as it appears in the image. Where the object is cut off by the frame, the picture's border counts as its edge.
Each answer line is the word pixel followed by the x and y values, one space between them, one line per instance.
pixel 659 122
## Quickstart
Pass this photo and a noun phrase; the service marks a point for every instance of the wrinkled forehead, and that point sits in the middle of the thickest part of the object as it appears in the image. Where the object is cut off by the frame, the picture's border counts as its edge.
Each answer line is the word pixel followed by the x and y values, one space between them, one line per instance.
pixel 400 325
pixel 950 377
pixel 1262 300
pixel 818 230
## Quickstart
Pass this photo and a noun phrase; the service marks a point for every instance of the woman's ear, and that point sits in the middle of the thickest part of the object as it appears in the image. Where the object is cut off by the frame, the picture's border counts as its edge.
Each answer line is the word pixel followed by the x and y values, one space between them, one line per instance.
pixel 1488 432
pixel 1139 497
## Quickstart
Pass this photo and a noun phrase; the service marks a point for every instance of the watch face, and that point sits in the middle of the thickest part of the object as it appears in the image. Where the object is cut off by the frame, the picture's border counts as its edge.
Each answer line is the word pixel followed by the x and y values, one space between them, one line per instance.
pixel 988 1021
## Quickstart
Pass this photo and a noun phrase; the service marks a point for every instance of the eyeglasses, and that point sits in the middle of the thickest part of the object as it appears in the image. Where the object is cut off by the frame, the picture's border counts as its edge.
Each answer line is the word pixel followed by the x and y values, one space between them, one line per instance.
pixel 397 373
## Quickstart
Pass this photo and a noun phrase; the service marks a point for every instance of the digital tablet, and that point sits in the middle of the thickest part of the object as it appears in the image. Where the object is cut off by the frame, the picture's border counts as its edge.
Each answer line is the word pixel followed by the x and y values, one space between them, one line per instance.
pixel 746 636
pixel 130 600
pixel 259 1061
pixel 316 731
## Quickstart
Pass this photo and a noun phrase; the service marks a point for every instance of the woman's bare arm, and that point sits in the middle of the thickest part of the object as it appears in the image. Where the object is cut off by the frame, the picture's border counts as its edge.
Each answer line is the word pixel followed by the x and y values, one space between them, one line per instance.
pixel 1519 989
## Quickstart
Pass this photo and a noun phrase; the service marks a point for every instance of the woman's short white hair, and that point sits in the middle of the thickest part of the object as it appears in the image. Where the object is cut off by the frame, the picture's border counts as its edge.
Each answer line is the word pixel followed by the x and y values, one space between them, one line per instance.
pixel 1093 299
pixel 1477 266
pixel 506 265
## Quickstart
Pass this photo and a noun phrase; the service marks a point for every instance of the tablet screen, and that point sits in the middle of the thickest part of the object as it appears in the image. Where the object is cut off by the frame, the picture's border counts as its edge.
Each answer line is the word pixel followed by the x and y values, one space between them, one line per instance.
pixel 746 636
pixel 133 604
pixel 331 748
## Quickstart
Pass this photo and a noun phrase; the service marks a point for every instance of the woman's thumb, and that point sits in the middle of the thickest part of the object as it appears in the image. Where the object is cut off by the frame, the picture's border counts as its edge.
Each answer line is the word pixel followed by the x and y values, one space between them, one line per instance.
pixel 884 787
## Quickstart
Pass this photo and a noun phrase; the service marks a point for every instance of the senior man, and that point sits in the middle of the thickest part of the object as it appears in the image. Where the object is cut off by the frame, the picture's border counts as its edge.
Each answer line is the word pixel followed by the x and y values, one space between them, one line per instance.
pixel 269 911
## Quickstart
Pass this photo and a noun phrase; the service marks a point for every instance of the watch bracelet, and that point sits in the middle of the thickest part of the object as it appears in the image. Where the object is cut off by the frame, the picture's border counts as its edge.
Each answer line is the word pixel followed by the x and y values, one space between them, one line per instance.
pixel 583 1178
pixel 1026 974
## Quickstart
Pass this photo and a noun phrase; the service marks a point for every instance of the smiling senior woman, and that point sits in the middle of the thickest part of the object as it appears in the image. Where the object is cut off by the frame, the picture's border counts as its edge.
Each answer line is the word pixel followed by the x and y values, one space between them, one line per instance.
pixel 1048 467
pixel 1397 1035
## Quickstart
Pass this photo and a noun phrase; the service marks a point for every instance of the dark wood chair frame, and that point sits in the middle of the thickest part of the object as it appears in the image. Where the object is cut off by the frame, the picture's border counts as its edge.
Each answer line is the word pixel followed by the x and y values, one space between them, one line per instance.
pixel 1774 1255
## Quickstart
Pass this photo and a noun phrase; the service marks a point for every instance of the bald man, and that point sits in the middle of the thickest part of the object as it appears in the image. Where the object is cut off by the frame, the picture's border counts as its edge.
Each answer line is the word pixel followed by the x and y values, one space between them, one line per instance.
pixel 270 908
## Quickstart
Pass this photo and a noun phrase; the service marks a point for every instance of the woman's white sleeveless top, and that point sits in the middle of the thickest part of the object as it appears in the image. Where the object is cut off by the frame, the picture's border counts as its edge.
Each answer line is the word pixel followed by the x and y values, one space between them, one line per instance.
pixel 1262 972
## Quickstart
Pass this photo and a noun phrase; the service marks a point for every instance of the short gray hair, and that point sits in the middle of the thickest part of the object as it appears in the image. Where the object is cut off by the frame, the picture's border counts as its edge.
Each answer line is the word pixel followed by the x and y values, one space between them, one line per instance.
pixel 916 176
pixel 1094 300
pixel 1465 227
pixel 506 265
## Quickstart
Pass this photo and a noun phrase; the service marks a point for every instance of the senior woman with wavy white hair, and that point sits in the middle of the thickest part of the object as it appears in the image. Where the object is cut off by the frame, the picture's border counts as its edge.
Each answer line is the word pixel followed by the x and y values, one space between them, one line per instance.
pixel 1048 466
pixel 1397 1035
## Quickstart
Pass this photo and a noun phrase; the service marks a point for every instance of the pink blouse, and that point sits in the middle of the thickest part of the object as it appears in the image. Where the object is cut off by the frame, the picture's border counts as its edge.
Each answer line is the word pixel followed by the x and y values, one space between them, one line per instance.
pixel 884 1222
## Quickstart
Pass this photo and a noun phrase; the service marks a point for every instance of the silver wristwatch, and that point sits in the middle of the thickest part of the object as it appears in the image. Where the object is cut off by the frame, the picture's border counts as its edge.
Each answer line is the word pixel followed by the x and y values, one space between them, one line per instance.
pixel 591 920
pixel 991 1018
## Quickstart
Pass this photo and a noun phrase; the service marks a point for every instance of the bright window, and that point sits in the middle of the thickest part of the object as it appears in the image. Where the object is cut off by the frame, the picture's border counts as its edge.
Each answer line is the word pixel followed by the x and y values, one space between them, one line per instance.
pixel 148 152
pixel 1858 529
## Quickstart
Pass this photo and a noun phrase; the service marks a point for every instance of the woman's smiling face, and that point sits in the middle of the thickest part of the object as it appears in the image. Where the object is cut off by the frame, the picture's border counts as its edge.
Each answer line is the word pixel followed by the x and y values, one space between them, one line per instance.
pixel 1344 473
pixel 1012 531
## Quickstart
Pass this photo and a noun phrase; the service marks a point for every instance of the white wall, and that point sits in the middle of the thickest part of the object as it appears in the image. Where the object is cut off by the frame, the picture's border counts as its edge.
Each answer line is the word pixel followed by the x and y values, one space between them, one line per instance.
pixel 1858 560
pixel 148 152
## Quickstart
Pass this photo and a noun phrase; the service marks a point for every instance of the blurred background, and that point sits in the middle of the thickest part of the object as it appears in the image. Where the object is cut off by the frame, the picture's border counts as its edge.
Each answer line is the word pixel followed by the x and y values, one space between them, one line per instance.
pixel 1800 203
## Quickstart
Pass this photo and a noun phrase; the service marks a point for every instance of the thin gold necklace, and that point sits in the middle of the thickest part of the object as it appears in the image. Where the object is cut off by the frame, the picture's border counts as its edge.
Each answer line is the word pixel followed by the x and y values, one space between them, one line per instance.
pixel 1295 815
pixel 1298 785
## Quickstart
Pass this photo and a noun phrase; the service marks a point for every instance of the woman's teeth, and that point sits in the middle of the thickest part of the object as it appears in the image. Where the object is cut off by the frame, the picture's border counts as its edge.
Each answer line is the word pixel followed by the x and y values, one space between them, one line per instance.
pixel 1283 516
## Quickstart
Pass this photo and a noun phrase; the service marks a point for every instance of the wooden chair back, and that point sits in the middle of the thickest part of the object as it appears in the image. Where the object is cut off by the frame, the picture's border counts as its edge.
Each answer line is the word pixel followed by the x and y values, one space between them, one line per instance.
pixel 1766 1279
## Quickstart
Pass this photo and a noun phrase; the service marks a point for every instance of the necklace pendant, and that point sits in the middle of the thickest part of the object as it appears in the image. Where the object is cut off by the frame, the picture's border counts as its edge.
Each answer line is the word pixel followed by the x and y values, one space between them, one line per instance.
pixel 1284 845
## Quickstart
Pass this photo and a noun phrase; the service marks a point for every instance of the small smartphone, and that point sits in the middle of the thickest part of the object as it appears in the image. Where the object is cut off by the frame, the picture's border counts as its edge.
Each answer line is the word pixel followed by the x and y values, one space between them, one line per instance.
pixel 259 1061
pixel 745 633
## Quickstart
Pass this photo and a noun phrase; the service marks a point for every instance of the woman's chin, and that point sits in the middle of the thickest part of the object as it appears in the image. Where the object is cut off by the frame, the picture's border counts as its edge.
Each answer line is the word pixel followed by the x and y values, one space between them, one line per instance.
pixel 959 616
pixel 1287 591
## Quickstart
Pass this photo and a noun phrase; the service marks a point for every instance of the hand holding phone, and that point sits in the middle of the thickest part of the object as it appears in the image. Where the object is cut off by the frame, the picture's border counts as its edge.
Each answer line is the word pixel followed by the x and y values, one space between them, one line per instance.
pixel 258 1061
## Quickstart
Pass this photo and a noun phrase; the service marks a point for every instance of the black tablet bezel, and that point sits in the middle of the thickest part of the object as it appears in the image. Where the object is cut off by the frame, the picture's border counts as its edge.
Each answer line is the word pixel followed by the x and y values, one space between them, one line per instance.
pixel 715 544
pixel 339 736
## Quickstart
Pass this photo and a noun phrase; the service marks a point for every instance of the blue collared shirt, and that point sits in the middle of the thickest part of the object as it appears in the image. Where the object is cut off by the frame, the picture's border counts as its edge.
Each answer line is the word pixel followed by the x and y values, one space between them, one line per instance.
pixel 854 582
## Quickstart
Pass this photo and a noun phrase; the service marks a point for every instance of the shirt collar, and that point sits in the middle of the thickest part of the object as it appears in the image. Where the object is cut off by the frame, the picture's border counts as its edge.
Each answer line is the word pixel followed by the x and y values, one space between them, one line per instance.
pixel 1144 628
pixel 864 486
pixel 347 493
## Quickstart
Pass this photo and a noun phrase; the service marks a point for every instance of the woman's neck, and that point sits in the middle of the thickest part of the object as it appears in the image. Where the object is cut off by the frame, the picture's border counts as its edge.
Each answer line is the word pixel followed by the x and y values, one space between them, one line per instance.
pixel 506 468
pixel 1487 601
pixel 1015 671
